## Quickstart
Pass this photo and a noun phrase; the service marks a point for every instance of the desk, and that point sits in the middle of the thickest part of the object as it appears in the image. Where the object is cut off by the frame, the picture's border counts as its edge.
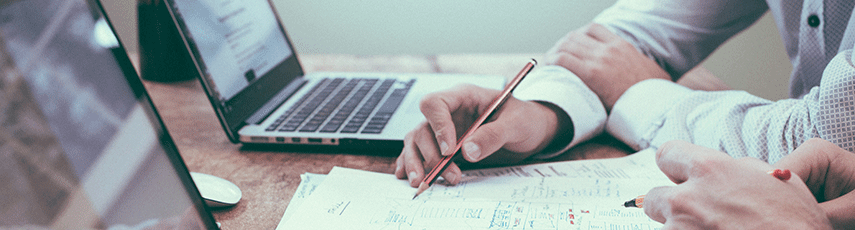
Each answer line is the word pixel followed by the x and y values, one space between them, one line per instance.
pixel 269 179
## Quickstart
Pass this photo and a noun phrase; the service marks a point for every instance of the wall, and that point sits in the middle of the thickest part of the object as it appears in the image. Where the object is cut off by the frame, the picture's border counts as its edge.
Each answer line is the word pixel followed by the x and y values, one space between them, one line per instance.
pixel 754 61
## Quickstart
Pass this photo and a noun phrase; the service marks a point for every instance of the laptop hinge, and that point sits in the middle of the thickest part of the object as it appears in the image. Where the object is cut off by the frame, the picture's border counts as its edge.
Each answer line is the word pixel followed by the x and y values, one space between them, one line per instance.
pixel 274 102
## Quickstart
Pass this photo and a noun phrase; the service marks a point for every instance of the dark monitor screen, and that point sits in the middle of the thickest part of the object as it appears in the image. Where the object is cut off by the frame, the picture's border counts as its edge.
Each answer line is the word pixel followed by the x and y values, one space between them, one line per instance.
pixel 80 144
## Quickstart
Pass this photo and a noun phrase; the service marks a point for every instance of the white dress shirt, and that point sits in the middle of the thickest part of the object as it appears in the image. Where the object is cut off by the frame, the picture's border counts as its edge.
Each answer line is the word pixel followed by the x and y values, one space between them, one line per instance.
pixel 678 35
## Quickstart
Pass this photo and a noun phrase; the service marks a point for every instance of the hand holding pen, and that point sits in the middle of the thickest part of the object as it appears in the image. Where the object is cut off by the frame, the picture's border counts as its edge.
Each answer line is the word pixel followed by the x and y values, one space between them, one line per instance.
pixel 491 111
pixel 716 191
pixel 522 129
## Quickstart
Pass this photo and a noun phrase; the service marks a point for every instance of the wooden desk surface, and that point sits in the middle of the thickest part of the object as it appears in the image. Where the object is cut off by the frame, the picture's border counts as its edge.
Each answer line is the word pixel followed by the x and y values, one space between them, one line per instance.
pixel 269 179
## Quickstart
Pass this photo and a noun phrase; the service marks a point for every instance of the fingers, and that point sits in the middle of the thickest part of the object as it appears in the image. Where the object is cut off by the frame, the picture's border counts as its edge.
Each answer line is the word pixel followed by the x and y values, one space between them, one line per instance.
pixel 679 160
pixel 655 203
pixel 669 158
pixel 522 129
pixel 566 60
pixel 431 156
pixel 486 139
pixel 574 52
pixel 712 186
pixel 585 43
pixel 580 45
pixel 420 153
pixel 399 167
pixel 825 168
pixel 410 164
pixel 450 112
pixel 438 109
pixel 452 174
pixel 675 206
pixel 839 211
pixel 601 33
pixel 809 160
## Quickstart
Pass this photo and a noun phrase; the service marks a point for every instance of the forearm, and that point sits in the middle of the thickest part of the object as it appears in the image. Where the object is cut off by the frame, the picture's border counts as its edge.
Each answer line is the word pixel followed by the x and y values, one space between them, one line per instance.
pixel 679 34
pixel 654 112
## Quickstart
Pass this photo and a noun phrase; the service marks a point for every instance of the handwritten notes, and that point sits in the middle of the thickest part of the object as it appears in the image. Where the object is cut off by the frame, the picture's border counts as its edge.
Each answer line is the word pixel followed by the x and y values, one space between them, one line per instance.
pixel 564 195
pixel 308 183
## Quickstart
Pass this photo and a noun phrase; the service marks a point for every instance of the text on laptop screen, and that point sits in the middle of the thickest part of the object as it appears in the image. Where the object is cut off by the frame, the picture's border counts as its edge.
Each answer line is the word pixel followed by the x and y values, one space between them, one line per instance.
pixel 77 150
pixel 237 40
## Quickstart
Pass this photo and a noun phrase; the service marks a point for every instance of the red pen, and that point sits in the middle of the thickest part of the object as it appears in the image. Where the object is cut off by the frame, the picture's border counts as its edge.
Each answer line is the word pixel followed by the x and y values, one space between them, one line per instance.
pixel 506 93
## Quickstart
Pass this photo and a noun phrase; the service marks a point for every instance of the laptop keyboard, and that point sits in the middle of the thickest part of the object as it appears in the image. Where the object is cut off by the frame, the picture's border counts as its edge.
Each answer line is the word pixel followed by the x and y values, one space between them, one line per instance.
pixel 344 105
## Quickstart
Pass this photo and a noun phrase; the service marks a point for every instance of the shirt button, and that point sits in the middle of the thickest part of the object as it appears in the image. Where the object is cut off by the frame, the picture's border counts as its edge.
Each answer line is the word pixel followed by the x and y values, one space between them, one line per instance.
pixel 813 20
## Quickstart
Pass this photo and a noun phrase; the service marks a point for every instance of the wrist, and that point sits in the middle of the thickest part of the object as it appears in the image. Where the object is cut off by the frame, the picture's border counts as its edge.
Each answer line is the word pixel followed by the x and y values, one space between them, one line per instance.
pixel 561 133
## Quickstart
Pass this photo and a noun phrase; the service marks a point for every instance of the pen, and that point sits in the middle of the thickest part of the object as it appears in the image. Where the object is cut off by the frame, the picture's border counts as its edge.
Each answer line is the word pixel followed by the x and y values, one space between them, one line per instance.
pixel 494 106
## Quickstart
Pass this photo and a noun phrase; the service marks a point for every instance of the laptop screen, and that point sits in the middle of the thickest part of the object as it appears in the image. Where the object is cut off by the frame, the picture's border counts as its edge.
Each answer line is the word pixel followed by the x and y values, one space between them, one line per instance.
pixel 80 145
pixel 238 41
pixel 241 52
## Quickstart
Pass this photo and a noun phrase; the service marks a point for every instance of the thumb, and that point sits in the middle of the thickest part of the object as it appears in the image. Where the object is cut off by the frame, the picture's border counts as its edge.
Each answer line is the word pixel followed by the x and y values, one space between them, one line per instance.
pixel 839 211
pixel 484 141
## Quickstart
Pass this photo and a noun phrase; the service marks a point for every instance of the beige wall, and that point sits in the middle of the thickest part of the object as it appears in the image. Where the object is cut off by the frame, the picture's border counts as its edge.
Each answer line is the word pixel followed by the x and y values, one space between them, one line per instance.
pixel 754 60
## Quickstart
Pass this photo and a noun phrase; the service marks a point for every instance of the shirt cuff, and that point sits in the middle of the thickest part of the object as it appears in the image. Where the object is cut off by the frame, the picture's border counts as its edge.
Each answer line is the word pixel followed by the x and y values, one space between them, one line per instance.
pixel 559 86
pixel 641 110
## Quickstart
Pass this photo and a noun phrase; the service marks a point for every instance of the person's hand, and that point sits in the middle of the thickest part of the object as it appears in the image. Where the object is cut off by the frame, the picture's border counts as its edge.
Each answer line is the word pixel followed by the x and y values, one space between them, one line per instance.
pixel 606 63
pixel 829 172
pixel 716 191
pixel 520 129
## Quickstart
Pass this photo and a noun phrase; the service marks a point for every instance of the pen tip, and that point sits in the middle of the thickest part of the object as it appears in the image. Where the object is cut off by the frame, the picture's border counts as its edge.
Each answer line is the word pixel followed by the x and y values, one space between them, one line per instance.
pixel 630 203
pixel 422 187
pixel 534 61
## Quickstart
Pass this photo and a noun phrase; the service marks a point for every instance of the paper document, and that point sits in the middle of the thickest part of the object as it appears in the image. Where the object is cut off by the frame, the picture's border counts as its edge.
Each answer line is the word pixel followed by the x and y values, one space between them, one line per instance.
pixel 308 183
pixel 575 195
pixel 641 165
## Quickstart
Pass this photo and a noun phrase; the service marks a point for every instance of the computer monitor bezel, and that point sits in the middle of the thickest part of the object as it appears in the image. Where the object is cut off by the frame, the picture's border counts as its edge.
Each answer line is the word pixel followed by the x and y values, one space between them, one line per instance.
pixel 164 138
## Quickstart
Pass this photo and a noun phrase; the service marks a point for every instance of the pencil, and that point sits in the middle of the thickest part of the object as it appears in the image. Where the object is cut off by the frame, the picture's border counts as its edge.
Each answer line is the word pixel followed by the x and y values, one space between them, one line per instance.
pixel 637 202
pixel 781 174
pixel 494 106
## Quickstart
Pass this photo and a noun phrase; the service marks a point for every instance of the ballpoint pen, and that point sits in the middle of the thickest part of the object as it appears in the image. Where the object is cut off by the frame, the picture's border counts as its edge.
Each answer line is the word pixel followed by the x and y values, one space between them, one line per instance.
pixel 434 173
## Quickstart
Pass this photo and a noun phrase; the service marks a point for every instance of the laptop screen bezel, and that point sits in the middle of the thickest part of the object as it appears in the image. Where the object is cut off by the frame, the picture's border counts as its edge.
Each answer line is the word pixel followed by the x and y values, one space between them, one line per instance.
pixel 164 139
pixel 234 112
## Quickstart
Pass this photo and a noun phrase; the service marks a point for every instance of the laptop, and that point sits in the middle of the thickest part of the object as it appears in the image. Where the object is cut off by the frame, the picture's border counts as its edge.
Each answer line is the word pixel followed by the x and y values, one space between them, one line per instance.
pixel 252 76
pixel 81 145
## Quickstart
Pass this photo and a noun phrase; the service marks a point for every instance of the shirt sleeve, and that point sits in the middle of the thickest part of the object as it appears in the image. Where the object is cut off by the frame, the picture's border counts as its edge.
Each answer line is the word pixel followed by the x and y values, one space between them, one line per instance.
pixel 562 88
pixel 679 34
pixel 653 112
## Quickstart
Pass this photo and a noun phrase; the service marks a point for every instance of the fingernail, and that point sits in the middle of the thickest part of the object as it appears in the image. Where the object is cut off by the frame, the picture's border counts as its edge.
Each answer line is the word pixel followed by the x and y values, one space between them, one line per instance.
pixel 397 168
pixel 454 179
pixel 412 176
pixel 443 147
pixel 472 150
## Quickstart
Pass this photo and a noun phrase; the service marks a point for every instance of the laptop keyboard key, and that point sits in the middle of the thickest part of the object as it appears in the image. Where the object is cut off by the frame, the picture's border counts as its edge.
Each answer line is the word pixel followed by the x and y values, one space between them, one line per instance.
pixel 328 109
pixel 350 129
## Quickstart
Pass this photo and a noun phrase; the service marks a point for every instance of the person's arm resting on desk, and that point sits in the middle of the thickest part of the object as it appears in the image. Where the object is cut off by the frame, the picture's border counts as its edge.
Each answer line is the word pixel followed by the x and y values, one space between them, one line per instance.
pixel 653 112
pixel 677 35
